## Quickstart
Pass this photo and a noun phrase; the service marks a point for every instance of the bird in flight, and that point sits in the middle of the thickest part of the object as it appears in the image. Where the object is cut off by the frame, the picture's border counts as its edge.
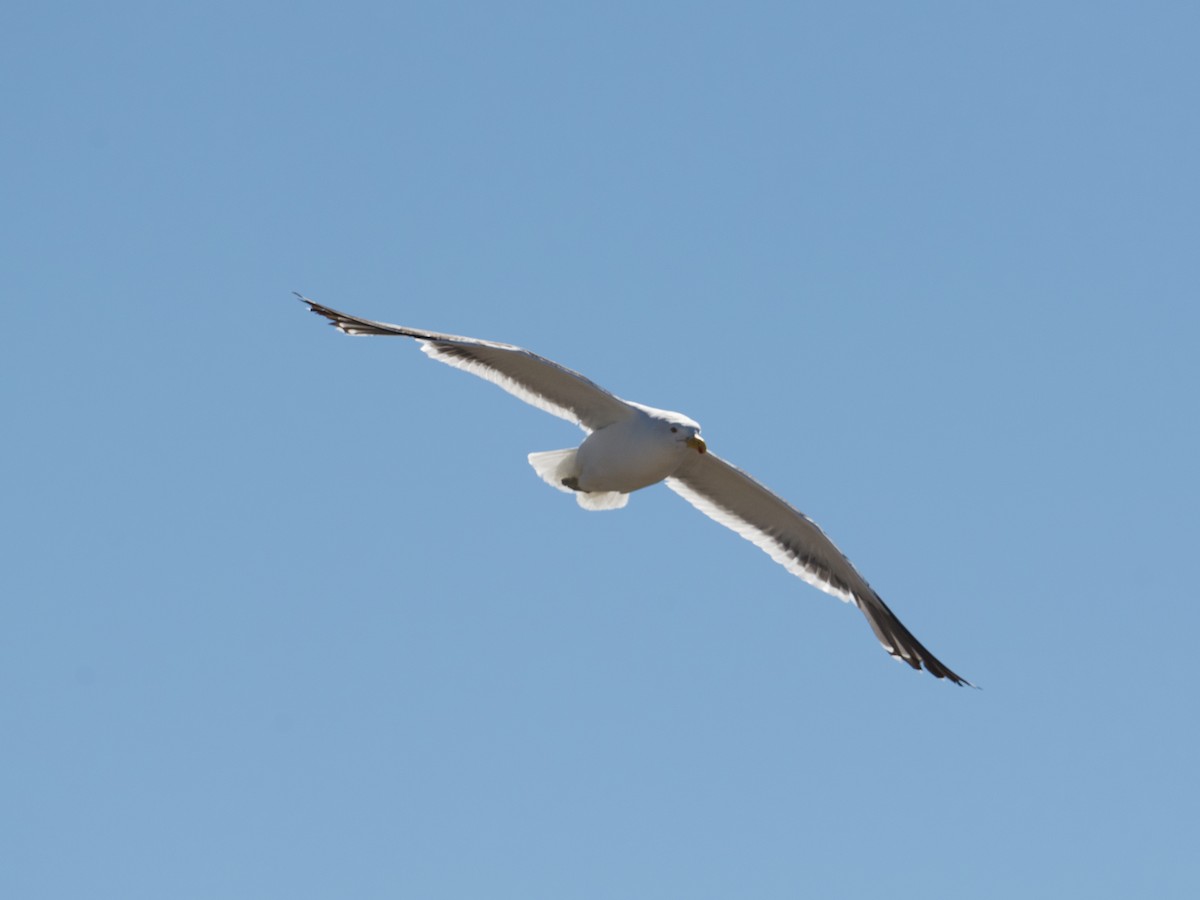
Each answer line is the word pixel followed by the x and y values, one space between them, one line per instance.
pixel 630 446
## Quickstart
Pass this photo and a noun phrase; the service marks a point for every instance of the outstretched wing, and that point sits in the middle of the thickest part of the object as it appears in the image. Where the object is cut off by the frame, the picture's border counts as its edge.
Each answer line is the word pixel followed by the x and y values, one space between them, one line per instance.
pixel 536 380
pixel 731 497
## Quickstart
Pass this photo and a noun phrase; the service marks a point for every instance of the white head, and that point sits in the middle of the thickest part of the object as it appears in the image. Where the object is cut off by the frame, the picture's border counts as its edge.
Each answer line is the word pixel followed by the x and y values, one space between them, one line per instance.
pixel 682 429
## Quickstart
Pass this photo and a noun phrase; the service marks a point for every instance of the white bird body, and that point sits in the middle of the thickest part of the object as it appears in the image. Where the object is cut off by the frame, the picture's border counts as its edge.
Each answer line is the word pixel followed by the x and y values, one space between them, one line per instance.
pixel 635 453
pixel 630 446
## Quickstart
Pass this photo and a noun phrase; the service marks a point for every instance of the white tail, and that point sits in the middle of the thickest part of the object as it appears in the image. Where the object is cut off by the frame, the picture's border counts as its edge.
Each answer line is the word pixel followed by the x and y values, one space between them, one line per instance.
pixel 599 501
pixel 553 466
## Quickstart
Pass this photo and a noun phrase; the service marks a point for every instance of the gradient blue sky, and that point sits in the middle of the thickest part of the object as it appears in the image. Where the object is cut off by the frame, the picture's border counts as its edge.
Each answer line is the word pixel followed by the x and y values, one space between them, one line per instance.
pixel 287 615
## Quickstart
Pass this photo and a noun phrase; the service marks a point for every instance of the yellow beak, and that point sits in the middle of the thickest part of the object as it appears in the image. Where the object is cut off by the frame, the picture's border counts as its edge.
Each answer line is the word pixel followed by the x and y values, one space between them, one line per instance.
pixel 697 442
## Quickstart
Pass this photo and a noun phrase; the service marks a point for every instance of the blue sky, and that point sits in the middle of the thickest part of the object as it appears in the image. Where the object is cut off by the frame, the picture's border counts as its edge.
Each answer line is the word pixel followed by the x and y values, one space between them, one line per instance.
pixel 287 614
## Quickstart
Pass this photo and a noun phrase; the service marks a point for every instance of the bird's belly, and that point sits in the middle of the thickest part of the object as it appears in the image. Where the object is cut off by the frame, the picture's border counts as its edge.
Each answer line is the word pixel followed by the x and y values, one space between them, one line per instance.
pixel 622 460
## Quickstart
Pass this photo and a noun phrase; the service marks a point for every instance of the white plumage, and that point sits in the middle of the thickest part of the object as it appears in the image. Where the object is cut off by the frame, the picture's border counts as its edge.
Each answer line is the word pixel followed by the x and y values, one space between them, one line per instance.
pixel 630 446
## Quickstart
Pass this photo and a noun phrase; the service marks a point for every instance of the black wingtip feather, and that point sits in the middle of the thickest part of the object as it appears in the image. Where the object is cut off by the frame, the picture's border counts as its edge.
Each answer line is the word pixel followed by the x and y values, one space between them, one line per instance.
pixel 902 645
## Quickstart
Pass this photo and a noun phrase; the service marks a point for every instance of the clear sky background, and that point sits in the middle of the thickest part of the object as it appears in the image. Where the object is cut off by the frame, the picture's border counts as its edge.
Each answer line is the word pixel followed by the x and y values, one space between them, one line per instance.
pixel 286 614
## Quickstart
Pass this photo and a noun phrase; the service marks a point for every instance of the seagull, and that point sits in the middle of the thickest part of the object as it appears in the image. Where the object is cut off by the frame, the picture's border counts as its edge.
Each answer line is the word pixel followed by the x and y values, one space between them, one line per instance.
pixel 630 446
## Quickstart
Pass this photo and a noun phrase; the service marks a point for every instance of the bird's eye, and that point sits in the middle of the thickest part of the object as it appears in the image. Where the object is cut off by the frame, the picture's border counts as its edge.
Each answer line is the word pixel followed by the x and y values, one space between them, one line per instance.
pixel 674 430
